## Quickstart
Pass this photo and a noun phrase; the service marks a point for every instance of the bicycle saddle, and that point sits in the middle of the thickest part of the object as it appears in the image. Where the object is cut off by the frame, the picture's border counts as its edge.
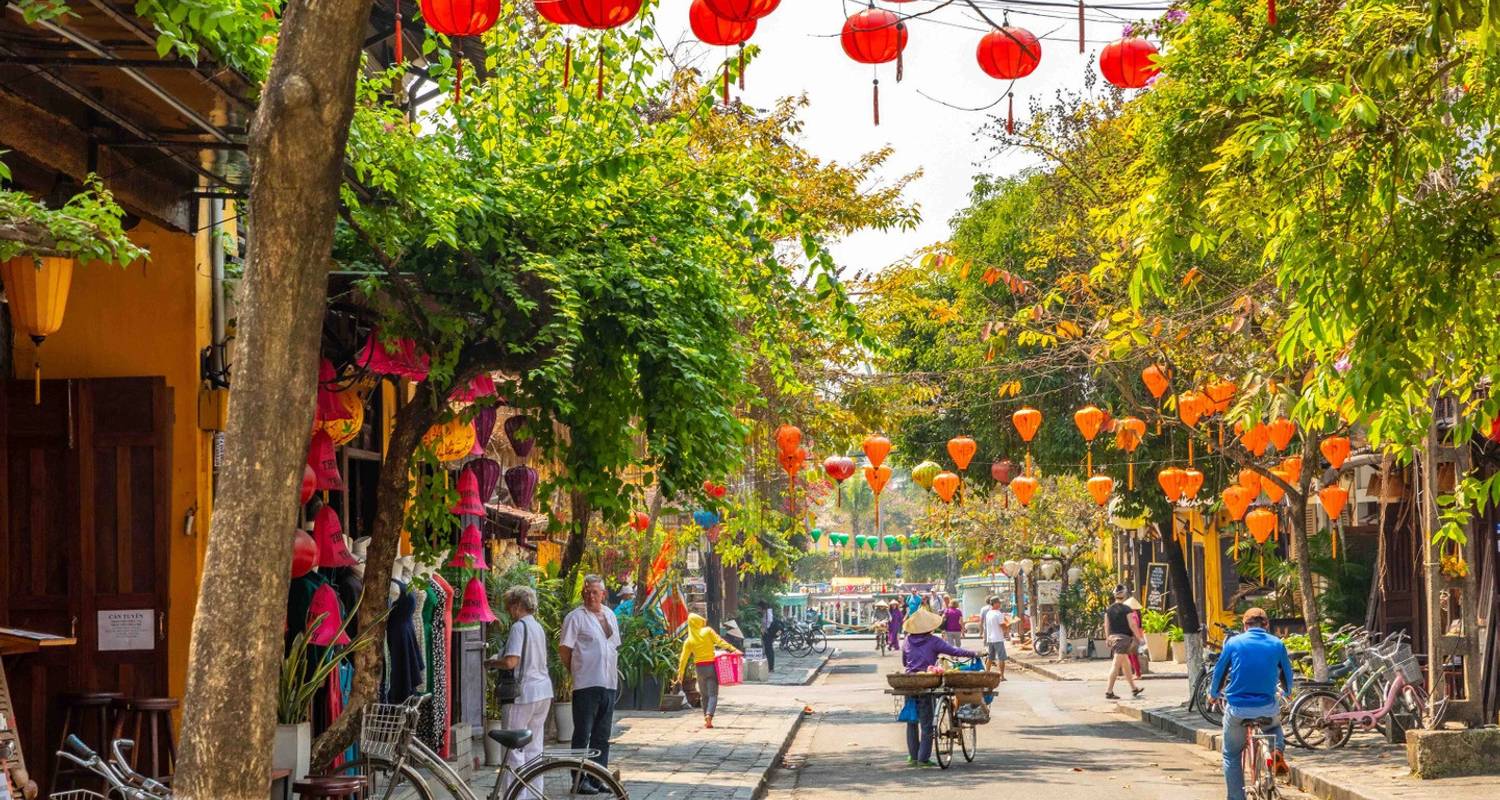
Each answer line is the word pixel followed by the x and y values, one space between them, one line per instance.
pixel 512 739
pixel 1257 722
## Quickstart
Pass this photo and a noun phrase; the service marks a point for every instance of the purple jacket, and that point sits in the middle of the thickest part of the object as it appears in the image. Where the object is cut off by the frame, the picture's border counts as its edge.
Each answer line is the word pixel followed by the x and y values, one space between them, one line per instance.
pixel 922 650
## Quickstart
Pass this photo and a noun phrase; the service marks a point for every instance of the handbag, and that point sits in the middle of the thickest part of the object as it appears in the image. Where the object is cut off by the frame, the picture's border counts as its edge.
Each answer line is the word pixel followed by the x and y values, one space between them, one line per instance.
pixel 508 681
pixel 909 711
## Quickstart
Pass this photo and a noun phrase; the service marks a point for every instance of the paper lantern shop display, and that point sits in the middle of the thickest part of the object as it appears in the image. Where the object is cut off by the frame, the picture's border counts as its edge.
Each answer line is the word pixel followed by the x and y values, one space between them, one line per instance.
pixel 469 554
pixel 521 482
pixel 476 607
pixel 488 473
pixel 875 36
pixel 325 619
pixel 400 358
pixel 518 434
pixel 328 533
pixel 451 440
pixel 343 429
pixel 36 289
pixel 469 502
pixel 309 484
pixel 325 463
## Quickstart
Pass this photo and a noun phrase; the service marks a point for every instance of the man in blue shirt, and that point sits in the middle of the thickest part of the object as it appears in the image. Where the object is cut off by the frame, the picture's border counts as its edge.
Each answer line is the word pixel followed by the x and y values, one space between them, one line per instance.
pixel 1256 663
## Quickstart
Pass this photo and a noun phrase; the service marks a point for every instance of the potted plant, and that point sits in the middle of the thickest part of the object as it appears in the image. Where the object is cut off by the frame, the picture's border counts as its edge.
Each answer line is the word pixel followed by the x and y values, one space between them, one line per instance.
pixel 301 678
pixel 555 599
pixel 1073 612
pixel 647 661
pixel 494 752
pixel 1179 651
pixel 1155 625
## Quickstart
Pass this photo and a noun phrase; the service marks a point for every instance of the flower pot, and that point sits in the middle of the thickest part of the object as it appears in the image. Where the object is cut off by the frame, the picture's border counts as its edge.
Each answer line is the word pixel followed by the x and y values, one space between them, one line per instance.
pixel 1100 648
pixel 648 693
pixel 562 715
pixel 1179 652
pixel 1156 645
pixel 494 752
pixel 293 749
pixel 1078 648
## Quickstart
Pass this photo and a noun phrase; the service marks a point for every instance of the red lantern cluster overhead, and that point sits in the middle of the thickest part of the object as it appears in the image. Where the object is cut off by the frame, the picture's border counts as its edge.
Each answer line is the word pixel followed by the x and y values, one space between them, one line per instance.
pixel 1128 63
pixel 712 28
pixel 1007 54
pixel 875 36
pixel 455 18
pixel 742 10
pixel 600 14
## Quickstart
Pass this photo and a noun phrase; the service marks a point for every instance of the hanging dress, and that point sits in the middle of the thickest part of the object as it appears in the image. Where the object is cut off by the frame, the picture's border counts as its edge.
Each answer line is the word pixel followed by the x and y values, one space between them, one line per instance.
pixel 432 726
pixel 404 655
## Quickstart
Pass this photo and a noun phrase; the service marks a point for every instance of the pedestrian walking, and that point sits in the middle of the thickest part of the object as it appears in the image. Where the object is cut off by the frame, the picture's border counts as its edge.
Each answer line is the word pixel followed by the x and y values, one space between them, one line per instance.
pixel 526 655
pixel 770 628
pixel 996 626
pixel 953 624
pixel 700 648
pixel 1135 624
pixel 590 650
pixel 1120 636
pixel 919 654
pixel 893 626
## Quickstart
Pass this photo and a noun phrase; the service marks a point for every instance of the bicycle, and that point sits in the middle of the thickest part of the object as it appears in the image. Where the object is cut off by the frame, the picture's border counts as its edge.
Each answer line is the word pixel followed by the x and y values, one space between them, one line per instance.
pixel 1326 718
pixel 1258 760
pixel 394 761
pixel 124 783
pixel 795 641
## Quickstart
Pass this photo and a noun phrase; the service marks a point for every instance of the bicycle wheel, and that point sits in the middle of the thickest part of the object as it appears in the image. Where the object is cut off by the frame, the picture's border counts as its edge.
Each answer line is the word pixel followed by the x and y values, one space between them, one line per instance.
pixel 1250 768
pixel 802 645
pixel 387 781
pixel 549 778
pixel 1043 646
pixel 945 733
pixel 968 739
pixel 819 641
pixel 1212 713
pixel 1311 727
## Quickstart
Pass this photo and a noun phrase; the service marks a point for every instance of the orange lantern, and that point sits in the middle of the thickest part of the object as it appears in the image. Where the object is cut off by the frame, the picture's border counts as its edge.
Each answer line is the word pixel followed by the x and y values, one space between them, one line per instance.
pixel 877 477
pixel 1190 406
pixel 1027 421
pixel 1292 466
pixel 1171 480
pixel 1089 420
pixel 1250 479
pixel 1025 488
pixel 961 449
pixel 1273 489
pixel 1256 439
pixel 876 449
pixel 36 289
pixel 1192 482
pixel 1282 431
pixel 1237 500
pixel 1333 497
pixel 1335 449
pixel 945 484
pixel 1101 486
pixel 1128 435
pixel 1221 394
pixel 1262 523
pixel 1157 379
pixel 788 438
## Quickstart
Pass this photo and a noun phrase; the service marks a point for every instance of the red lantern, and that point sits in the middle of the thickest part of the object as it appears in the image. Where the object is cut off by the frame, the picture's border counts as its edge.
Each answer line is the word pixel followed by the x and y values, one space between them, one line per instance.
pixel 304 553
pixel 455 18
pixel 875 36
pixel 788 438
pixel 1009 53
pixel 309 483
pixel 713 29
pixel 640 522
pixel 553 11
pixel 600 14
pixel 1128 63
pixel 742 10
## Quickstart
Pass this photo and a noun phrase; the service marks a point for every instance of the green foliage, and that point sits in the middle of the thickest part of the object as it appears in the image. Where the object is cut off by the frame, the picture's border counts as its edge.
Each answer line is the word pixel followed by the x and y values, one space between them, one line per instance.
pixel 87 227
pixel 239 34
pixel 644 652
pixel 924 565
pixel 1153 621
pixel 1174 634
pixel 301 677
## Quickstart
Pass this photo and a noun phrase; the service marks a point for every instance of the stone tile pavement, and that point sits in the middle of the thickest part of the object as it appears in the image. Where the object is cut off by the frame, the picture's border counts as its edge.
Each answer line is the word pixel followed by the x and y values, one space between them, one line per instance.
pixel 1090 669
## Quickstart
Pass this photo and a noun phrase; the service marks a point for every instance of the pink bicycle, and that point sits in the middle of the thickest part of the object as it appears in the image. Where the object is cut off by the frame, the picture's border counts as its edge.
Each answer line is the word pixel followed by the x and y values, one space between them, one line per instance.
pixel 1326 717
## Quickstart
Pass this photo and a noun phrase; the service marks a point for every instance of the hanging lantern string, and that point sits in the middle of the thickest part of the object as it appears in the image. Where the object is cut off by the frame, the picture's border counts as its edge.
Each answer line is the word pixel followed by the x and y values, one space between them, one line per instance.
pixel 599 92
pixel 399 59
pixel 742 67
pixel 567 60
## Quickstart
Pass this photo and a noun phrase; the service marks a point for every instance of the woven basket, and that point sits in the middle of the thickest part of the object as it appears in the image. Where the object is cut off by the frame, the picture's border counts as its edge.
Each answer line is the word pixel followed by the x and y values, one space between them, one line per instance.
pixel 971 680
pixel 910 681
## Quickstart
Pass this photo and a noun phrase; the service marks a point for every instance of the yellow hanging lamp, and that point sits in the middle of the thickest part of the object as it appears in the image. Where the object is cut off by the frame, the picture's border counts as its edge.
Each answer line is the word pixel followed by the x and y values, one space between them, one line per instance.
pixel 36 287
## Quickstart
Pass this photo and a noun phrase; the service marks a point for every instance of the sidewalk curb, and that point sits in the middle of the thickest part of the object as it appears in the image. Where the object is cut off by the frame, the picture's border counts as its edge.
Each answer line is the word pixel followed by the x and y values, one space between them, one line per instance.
pixel 813 673
pixel 1305 779
pixel 1037 669
pixel 763 786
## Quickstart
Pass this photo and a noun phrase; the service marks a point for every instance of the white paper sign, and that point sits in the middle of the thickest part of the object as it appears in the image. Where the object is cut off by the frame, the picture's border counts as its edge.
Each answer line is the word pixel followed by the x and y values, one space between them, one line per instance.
pixel 127 629
pixel 1047 592
pixel 692 559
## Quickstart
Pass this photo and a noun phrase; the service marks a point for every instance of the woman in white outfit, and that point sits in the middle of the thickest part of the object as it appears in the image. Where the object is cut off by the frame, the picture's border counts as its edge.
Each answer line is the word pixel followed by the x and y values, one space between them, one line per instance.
pixel 526 652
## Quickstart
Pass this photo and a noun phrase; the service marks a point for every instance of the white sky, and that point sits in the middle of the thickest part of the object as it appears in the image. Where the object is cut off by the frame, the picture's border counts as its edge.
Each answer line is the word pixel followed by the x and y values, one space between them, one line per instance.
pixel 801 55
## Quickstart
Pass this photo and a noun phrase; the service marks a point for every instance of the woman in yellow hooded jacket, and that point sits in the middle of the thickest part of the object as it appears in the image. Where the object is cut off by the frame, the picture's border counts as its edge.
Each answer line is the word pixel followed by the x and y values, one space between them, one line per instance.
pixel 699 648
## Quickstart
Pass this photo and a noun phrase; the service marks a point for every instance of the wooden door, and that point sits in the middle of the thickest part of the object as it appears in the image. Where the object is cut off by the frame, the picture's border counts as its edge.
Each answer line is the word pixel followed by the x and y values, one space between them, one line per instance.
pixel 85 506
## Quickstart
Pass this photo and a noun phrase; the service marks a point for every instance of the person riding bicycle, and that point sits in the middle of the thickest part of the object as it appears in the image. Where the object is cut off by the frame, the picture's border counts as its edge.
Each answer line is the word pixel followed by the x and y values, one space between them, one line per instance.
pixel 1256 663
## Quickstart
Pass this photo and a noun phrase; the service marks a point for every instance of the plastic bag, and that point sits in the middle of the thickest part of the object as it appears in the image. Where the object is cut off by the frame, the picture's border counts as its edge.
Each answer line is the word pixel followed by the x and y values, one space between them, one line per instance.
pixel 973 713
pixel 909 711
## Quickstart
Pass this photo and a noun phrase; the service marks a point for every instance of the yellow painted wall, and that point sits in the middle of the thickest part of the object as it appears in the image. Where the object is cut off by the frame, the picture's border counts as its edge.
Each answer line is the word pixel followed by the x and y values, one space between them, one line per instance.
pixel 146 320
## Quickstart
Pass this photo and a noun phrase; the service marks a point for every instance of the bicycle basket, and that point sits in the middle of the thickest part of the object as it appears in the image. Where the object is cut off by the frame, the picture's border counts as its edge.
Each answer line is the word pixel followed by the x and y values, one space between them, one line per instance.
pixel 380 734
pixel 1411 671
pixel 973 714
pixel 75 794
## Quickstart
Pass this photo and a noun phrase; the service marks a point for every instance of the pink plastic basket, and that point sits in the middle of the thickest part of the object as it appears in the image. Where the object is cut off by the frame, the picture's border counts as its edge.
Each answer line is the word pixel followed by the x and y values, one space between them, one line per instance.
pixel 730 668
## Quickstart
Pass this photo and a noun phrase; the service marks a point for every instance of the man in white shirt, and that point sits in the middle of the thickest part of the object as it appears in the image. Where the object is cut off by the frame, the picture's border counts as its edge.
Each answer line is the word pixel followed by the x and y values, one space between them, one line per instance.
pixel 996 629
pixel 590 650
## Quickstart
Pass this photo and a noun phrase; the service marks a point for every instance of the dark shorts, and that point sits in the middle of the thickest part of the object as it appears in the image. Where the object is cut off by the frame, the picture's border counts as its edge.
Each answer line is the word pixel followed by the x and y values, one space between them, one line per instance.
pixel 1121 645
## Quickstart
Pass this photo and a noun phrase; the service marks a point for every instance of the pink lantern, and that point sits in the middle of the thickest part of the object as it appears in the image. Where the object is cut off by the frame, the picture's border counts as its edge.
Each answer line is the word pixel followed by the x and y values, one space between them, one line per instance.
pixel 325 464
pixel 470 551
pixel 480 386
pixel 328 630
pixel 328 534
pixel 476 606
pixel 304 553
pixel 330 407
pixel 309 483
pixel 468 495
pixel 401 359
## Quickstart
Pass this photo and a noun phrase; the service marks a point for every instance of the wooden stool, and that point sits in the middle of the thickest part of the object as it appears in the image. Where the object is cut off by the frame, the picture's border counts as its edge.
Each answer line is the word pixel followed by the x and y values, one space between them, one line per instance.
pixel 153 717
pixel 330 787
pixel 90 712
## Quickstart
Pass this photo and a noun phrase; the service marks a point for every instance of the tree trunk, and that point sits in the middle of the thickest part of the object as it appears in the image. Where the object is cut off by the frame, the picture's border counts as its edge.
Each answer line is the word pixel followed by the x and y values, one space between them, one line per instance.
pixel 950 574
pixel 1311 616
pixel 297 141
pixel 1187 605
pixel 578 536
pixel 392 489
pixel 648 550
pixel 713 580
pixel 1377 576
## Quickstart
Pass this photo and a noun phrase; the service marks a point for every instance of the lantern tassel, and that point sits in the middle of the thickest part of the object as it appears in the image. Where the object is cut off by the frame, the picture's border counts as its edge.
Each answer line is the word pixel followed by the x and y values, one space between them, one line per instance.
pixel 742 68
pixel 599 92
pixel 398 32
pixel 1263 566
pixel 1080 26
pixel 1190 449
pixel 567 61
pixel 1271 12
pixel 1130 474
pixel 37 374
pixel 458 80
pixel 726 83
pixel 1010 113
pixel 1089 461
pixel 1333 531
pixel 877 102
pixel 900 65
